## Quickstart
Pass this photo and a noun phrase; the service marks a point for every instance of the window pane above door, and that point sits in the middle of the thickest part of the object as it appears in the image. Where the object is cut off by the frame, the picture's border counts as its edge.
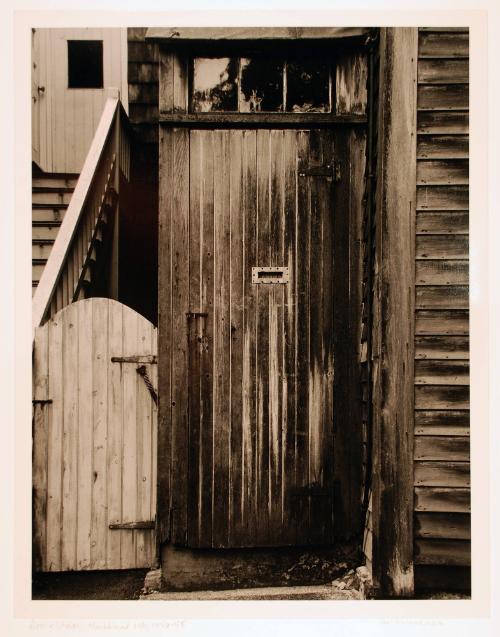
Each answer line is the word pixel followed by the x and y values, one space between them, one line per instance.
pixel 215 84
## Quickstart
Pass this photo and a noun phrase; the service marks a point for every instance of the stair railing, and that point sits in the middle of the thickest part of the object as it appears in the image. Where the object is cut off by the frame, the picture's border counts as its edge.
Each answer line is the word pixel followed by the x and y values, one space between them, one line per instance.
pixel 68 269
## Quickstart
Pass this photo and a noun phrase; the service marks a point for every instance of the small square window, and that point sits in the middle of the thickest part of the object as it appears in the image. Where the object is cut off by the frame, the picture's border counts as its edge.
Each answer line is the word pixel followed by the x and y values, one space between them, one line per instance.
pixel 85 64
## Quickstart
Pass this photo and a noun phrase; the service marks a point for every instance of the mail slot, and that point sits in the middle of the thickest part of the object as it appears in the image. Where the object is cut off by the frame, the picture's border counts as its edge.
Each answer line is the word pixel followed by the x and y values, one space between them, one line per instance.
pixel 270 274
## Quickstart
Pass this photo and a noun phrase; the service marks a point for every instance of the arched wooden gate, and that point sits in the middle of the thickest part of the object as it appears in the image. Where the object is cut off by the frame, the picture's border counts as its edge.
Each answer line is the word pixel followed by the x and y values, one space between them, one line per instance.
pixel 94 439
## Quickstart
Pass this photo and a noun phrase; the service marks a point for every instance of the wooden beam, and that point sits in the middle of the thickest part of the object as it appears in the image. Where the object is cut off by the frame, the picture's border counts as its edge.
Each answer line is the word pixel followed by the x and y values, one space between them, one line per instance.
pixel 200 120
pixel 176 34
pixel 394 311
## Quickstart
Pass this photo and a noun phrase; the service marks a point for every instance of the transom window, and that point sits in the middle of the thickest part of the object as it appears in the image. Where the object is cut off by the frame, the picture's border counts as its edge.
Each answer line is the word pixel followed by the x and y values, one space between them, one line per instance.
pixel 261 83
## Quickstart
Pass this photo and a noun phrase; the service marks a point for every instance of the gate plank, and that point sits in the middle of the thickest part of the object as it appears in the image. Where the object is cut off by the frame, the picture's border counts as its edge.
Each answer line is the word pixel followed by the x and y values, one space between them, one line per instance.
pixel 85 549
pixel 70 441
pixel 98 335
pixel 130 451
pixel 114 452
pixel 41 415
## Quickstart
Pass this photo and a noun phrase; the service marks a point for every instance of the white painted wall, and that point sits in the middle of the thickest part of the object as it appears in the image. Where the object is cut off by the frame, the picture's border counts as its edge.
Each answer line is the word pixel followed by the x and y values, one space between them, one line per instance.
pixel 64 120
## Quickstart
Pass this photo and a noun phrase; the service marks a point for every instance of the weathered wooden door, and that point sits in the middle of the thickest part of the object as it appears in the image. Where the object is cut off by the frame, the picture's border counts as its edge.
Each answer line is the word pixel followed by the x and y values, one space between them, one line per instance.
pixel 94 439
pixel 252 372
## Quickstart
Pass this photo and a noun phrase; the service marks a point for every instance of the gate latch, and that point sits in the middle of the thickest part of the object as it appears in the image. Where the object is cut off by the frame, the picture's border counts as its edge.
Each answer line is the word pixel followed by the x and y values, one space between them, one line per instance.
pixel 331 170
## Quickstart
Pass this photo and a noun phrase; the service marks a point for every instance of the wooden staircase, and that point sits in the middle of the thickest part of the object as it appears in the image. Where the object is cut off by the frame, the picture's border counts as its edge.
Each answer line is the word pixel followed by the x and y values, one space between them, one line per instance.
pixel 51 194
pixel 73 221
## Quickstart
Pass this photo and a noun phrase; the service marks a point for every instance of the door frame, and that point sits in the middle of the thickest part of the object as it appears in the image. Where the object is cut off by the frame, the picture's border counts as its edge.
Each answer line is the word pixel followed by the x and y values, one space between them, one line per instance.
pixel 392 287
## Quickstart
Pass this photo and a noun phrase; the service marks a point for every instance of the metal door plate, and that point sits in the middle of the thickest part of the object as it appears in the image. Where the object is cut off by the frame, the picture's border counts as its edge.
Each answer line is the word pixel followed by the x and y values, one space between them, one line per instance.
pixel 270 274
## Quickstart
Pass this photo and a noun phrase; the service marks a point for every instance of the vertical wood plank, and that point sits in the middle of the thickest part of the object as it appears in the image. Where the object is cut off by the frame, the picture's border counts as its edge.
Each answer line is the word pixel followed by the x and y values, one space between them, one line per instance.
pixel 222 441
pixel 84 432
pixel 394 309
pixel 195 336
pixel 302 340
pixel 144 441
pixel 263 293
pixel 236 333
pixel 290 213
pixel 114 459
pixel 41 415
pixel 70 440
pixel 165 235
pixel 207 250
pixel 55 446
pixel 180 307
pixel 130 382
pixel 98 338
pixel 275 337
pixel 249 368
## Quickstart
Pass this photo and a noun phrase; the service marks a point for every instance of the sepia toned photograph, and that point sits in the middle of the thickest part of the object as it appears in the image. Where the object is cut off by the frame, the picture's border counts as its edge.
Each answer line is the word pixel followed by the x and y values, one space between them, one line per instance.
pixel 250 313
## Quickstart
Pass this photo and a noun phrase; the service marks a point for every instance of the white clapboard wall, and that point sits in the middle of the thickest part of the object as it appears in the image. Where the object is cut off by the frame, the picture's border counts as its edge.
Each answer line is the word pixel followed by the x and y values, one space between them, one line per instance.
pixel 65 119
pixel 94 439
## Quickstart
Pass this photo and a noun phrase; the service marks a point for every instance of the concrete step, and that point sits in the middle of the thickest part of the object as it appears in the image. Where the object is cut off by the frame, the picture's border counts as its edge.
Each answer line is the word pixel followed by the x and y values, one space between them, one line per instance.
pixel 325 591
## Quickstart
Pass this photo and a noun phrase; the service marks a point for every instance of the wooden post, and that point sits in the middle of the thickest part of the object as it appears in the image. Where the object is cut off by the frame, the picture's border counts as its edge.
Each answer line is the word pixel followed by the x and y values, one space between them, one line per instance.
pixel 393 315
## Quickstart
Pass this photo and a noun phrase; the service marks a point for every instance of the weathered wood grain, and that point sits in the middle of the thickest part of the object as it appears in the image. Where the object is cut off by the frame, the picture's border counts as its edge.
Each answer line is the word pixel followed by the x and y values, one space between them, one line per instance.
pixel 442 422
pixel 441 272
pixel 446 71
pixel 393 396
pixel 453 448
pixel 453 526
pixel 40 450
pixel 442 198
pixel 351 81
pixel 441 397
pixel 452 97
pixel 260 418
pixel 445 552
pixel 443 122
pixel 443 172
pixel 442 44
pixel 169 34
pixel 442 347
pixel 445 297
pixel 165 344
pixel 441 322
pixel 436 246
pixel 98 457
pixel 441 372
pixel 442 474
pixel 442 223
pixel 442 146
pixel 442 499
pixel 180 308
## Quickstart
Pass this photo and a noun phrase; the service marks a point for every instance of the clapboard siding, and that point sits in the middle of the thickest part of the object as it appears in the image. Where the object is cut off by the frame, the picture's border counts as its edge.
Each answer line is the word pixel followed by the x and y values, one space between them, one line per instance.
pixel 441 449
pixel 94 443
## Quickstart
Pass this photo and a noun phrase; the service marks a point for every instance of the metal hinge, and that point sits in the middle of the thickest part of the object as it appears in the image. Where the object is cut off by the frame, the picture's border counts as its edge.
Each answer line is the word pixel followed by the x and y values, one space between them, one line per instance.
pixel 45 401
pixel 190 315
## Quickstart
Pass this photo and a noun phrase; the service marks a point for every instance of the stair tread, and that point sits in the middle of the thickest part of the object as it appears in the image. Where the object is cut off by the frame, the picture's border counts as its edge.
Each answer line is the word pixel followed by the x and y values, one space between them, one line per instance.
pixel 40 224
pixel 53 189
pixel 48 206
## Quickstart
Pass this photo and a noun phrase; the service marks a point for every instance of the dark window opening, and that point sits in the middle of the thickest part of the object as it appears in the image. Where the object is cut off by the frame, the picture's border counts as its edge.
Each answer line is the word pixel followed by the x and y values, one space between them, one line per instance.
pixel 85 64
pixel 259 82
